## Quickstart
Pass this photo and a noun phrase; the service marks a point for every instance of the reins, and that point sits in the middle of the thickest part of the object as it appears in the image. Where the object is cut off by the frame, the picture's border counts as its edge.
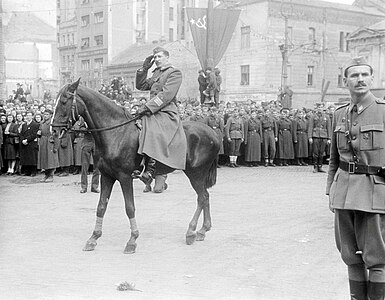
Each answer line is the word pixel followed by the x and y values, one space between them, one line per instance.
pixel 74 108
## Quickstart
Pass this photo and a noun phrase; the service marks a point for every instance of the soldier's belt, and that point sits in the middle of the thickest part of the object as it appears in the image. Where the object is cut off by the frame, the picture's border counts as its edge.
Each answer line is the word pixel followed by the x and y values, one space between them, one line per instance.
pixel 267 129
pixel 354 168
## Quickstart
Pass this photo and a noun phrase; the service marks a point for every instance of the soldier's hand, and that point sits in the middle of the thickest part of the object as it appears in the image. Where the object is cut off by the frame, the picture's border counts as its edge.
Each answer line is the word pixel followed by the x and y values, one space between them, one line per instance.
pixel 276 139
pixel 148 62
pixel 330 207
pixel 329 141
pixel 311 141
pixel 229 139
pixel 142 110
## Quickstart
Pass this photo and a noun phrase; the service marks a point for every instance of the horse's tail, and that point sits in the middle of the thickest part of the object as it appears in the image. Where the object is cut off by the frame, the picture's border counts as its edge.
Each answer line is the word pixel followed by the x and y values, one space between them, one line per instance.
pixel 211 178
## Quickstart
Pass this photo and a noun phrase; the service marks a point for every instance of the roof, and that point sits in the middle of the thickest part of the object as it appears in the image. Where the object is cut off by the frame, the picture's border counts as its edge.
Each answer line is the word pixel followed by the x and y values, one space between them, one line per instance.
pixel 23 28
pixel 137 53
pixel 313 3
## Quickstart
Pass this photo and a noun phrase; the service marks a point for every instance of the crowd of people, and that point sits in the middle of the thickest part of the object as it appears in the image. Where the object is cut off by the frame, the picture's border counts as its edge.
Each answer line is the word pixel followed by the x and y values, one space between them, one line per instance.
pixel 252 134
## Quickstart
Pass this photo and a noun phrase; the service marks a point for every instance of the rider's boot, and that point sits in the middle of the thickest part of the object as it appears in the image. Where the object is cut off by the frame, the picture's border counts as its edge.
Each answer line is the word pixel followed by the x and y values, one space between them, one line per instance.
pixel 148 174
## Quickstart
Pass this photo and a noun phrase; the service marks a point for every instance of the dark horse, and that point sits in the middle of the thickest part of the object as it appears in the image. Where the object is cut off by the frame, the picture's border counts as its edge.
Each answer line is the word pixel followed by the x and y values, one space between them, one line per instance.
pixel 117 140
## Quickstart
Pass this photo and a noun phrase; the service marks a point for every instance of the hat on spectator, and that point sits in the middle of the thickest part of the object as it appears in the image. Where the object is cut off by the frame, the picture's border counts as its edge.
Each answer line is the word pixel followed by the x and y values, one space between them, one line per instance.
pixel 357 61
pixel 284 110
pixel 48 111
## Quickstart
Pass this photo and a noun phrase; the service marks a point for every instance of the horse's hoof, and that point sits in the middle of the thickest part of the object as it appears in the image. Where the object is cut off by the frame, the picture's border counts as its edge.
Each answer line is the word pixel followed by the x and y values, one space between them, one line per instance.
pixel 190 239
pixel 130 249
pixel 90 246
pixel 200 236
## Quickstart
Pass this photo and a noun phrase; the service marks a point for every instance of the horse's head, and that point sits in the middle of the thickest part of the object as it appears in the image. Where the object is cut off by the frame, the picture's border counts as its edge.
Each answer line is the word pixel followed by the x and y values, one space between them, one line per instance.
pixel 66 109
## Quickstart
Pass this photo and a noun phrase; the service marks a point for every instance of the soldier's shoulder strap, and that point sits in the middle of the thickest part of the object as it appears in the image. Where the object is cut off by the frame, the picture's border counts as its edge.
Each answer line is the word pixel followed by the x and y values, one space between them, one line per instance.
pixel 380 101
pixel 342 106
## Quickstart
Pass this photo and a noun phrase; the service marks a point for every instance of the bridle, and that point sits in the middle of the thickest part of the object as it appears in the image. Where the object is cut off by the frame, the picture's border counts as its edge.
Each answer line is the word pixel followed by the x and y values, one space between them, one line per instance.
pixel 75 116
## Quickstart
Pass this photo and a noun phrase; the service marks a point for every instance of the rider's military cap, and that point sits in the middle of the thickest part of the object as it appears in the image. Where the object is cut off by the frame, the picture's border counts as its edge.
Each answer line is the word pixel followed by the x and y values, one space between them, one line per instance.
pixel 160 49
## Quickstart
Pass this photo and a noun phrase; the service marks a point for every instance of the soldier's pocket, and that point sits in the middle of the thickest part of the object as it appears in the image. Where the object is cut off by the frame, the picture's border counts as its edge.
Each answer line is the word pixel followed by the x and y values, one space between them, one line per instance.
pixel 333 189
pixel 342 140
pixel 378 193
pixel 372 137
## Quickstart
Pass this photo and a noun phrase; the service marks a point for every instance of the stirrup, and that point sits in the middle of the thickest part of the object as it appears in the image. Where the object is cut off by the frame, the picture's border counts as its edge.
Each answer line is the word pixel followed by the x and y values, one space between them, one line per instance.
pixel 139 173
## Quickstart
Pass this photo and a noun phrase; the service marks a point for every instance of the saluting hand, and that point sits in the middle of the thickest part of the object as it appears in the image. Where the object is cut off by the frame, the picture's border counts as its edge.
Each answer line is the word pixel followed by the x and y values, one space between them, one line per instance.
pixel 310 141
pixel 148 62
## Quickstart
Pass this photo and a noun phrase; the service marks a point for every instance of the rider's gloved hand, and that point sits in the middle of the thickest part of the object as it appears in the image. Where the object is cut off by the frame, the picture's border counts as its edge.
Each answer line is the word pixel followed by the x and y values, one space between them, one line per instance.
pixel 148 62
pixel 143 110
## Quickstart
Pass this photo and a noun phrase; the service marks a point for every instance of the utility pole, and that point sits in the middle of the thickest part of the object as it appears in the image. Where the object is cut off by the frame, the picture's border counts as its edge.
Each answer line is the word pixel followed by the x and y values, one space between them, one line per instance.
pixel 284 51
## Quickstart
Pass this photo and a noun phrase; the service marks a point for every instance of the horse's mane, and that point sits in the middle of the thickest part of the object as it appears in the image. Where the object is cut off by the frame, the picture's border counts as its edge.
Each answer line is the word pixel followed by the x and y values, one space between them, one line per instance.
pixel 111 105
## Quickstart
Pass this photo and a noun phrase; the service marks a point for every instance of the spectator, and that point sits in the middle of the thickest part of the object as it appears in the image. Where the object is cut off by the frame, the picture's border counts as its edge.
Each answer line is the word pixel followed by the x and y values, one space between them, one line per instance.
pixel 29 147
pixel 10 133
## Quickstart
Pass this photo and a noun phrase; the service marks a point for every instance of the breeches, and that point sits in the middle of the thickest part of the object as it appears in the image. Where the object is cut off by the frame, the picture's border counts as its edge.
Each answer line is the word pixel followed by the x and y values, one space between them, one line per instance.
pixel 360 231
pixel 235 145
pixel 269 147
pixel 319 147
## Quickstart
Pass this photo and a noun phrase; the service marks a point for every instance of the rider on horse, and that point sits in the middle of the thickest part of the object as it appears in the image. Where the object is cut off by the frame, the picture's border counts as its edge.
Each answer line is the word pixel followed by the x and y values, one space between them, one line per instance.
pixel 162 138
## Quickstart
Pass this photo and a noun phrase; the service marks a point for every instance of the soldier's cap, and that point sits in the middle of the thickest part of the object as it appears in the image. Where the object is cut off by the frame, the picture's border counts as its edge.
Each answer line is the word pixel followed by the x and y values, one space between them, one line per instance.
pixel 284 110
pixel 18 84
pixel 48 111
pixel 160 49
pixel 357 61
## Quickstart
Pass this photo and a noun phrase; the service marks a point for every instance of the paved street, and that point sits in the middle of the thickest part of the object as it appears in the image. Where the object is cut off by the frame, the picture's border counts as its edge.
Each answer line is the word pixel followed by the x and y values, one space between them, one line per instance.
pixel 272 238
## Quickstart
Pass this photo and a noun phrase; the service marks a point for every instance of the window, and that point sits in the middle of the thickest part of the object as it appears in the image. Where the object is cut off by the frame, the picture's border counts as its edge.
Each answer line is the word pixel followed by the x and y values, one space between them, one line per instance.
pixel 98 63
pixel 98 40
pixel 245 37
pixel 342 41
pixel 64 60
pixel 171 13
pixel 57 20
pixel 310 71
pixel 171 34
pixel 85 65
pixel 57 3
pixel 63 39
pixel 245 75
pixel 340 76
pixel 347 42
pixel 58 37
pixel 73 38
pixel 85 20
pixel 85 43
pixel 99 17
pixel 312 36
pixel 290 33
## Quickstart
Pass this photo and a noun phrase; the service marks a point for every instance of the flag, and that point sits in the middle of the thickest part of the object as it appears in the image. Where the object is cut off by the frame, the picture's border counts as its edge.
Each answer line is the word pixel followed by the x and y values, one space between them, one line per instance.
pixel 211 37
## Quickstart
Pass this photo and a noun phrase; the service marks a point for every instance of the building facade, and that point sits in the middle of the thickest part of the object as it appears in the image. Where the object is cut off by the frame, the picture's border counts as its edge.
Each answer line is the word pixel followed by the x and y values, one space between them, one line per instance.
pixel 314 37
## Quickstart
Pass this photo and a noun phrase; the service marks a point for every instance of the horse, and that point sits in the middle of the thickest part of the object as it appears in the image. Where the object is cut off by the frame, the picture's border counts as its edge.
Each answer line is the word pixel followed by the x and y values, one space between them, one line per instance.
pixel 117 140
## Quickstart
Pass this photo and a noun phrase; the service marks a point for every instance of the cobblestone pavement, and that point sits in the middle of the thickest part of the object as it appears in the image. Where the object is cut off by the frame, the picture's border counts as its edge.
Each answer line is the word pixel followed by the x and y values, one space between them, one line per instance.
pixel 272 238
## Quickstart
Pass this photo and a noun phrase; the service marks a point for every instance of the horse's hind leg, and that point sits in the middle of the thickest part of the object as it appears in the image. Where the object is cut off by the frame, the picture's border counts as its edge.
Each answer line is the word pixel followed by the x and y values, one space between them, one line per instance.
pixel 106 188
pixel 128 193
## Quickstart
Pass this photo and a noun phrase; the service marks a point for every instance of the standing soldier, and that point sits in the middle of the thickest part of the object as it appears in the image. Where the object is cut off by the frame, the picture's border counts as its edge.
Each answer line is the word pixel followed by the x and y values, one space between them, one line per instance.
pixel 253 131
pixel 48 159
pixel 285 138
pixel 202 85
pixel 319 134
pixel 214 121
pixel 235 135
pixel 356 183
pixel 270 133
pixel 301 145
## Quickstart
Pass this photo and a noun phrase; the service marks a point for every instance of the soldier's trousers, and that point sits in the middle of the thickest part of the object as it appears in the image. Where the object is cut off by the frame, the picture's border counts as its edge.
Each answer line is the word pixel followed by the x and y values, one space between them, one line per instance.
pixel 87 151
pixel 269 147
pixel 319 147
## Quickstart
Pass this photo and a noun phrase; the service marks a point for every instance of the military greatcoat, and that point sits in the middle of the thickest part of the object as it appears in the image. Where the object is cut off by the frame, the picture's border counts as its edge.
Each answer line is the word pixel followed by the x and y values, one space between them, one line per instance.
pixel 285 139
pixel 216 123
pixel 300 137
pixel 253 132
pixel 48 155
pixel 162 136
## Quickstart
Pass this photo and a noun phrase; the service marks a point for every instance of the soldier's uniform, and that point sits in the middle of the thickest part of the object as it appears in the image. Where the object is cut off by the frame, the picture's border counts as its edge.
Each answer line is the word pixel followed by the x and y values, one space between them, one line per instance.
pixel 216 123
pixel 285 140
pixel 320 131
pixel 269 130
pixel 356 189
pixel 234 130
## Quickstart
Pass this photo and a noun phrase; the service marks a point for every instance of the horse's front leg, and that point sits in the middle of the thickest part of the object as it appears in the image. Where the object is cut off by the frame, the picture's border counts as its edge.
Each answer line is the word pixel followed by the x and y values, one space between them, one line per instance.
pixel 128 193
pixel 206 226
pixel 106 188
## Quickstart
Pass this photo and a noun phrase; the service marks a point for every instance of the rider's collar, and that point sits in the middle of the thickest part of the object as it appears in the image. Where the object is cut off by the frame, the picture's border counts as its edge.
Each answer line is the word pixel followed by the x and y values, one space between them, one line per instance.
pixel 165 67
